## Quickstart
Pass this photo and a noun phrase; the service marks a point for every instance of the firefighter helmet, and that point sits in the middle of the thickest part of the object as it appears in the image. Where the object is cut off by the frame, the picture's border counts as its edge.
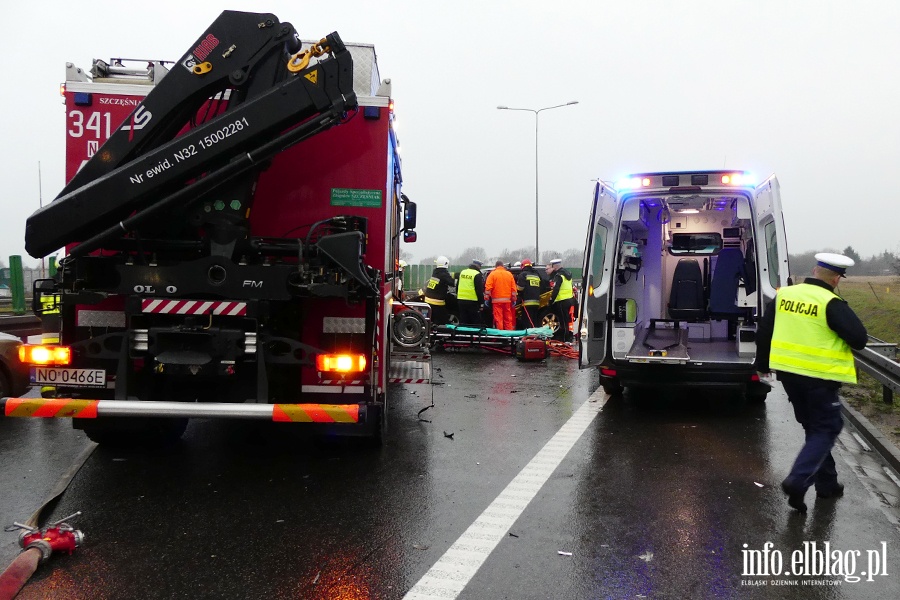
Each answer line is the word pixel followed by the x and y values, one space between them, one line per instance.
pixel 442 262
pixel 526 262
pixel 402 264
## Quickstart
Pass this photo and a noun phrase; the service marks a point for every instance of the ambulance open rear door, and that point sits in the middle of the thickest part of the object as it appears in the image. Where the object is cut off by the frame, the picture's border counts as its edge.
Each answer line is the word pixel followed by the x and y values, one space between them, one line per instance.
pixel 771 242
pixel 598 269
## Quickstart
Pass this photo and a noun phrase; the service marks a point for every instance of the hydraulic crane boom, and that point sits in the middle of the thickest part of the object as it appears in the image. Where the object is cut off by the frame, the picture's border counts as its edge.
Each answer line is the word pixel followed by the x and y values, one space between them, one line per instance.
pixel 276 98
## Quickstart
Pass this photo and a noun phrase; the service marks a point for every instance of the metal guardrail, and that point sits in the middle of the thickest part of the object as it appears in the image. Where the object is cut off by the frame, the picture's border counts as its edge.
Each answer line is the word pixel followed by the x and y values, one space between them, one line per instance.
pixel 878 359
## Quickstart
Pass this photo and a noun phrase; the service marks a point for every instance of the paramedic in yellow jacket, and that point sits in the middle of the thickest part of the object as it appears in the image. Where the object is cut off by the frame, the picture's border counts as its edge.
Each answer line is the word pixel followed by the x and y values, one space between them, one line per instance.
pixel 805 336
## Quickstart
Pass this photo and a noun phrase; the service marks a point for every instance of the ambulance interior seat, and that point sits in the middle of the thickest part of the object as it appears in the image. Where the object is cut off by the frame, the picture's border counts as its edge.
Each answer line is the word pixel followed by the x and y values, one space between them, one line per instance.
pixel 750 268
pixel 727 276
pixel 687 300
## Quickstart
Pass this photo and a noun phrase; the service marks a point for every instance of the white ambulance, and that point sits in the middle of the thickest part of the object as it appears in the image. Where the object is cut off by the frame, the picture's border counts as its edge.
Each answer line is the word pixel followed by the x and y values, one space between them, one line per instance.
pixel 677 269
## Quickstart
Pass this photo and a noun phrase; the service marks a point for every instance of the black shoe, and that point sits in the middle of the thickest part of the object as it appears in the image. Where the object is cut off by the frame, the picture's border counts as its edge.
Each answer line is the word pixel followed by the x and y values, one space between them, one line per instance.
pixel 795 498
pixel 835 491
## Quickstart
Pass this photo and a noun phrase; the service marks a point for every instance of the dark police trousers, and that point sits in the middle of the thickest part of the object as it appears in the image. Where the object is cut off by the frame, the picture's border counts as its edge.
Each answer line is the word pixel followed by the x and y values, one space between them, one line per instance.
pixel 470 313
pixel 818 409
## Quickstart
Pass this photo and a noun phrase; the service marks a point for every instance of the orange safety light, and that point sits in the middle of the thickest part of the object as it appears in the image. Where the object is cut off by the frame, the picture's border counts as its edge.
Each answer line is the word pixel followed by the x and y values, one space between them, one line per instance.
pixel 645 181
pixel 45 354
pixel 726 178
pixel 341 363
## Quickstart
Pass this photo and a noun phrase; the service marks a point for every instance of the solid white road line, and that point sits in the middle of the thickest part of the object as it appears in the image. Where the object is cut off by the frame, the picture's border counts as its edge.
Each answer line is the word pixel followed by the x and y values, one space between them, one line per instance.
pixel 453 571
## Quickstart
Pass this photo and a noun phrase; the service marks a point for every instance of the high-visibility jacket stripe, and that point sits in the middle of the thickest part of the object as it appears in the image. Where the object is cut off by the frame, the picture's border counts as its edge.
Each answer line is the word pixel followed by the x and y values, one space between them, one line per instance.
pixel 316 413
pixel 51 407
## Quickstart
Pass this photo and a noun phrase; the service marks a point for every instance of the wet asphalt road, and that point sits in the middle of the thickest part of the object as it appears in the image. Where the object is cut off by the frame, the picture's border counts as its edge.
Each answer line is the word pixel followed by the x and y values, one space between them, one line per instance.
pixel 656 499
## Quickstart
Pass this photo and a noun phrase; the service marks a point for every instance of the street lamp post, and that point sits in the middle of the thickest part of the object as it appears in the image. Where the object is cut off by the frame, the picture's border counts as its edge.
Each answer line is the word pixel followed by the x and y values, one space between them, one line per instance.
pixel 537 252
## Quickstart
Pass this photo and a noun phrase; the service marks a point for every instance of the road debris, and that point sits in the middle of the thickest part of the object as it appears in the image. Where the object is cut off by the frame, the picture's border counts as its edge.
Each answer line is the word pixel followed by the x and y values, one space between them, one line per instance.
pixel 563 553
pixel 448 435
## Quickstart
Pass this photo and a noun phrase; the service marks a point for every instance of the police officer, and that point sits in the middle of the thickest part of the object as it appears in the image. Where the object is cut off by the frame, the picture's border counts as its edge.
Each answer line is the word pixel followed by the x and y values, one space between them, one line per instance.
pixel 805 336
pixel 528 284
pixel 436 291
pixel 562 300
pixel 470 294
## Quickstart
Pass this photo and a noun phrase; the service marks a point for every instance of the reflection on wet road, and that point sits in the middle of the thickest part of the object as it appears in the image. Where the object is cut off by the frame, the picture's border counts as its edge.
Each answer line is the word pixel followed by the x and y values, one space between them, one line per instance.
pixel 659 497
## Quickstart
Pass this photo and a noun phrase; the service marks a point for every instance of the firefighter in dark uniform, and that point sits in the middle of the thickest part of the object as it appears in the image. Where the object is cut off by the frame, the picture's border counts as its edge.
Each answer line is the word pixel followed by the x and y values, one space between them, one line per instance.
pixel 436 291
pixel 805 336
pixel 470 294
pixel 528 284
pixel 562 300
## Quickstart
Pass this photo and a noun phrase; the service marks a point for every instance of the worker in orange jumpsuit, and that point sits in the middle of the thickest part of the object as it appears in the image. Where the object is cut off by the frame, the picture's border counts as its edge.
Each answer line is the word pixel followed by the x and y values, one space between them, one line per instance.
pixel 500 292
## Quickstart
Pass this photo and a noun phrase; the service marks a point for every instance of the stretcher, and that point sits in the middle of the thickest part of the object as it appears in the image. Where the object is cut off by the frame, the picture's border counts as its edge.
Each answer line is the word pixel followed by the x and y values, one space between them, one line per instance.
pixel 465 336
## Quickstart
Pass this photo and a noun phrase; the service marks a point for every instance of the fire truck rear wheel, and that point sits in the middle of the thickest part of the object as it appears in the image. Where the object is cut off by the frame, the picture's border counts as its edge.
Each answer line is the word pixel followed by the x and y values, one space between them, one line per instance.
pixel 134 432
pixel 5 390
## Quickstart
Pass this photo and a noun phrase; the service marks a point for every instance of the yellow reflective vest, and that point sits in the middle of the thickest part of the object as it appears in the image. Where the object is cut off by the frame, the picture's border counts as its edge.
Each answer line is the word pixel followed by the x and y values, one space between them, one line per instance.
pixel 465 289
pixel 802 341
pixel 565 289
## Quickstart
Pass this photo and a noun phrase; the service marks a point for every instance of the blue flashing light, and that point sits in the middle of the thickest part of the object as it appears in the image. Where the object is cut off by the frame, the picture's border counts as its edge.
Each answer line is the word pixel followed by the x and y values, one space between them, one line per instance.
pixel 742 179
pixel 746 179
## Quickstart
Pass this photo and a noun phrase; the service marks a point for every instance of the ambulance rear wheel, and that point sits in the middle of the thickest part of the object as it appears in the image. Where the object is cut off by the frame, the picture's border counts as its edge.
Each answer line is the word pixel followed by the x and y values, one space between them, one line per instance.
pixel 612 388
pixel 755 397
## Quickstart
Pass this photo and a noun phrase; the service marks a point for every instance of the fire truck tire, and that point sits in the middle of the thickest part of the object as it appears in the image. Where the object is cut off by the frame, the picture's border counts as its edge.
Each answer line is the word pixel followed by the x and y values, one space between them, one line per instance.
pixel 135 433
pixel 5 389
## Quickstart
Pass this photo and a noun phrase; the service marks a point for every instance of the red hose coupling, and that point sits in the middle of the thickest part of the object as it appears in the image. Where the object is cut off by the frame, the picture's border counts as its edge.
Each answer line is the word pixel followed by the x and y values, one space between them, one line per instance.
pixel 56 537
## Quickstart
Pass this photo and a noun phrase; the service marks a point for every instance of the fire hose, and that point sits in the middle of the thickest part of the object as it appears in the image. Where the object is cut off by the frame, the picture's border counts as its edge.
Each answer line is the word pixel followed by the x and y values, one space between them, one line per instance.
pixel 37 546
pixel 39 543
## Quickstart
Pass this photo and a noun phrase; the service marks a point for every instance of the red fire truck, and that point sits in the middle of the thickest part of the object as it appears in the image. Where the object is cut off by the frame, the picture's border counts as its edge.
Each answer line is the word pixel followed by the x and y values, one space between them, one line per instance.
pixel 232 224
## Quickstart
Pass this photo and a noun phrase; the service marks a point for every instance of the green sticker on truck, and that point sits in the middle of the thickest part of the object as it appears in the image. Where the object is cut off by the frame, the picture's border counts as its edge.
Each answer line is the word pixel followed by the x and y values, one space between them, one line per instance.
pixel 352 197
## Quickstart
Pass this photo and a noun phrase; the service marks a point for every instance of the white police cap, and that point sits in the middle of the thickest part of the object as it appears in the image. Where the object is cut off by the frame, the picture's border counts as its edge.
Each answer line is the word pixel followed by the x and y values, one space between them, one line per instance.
pixel 834 262
pixel 556 261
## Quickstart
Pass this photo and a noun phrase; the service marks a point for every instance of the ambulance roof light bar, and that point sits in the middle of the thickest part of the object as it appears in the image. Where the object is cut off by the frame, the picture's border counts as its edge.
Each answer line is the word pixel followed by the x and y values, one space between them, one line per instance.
pixel 671 180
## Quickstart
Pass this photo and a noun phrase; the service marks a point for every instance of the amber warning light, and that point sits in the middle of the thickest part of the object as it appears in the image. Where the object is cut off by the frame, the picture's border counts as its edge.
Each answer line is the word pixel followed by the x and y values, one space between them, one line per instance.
pixel 30 354
pixel 341 363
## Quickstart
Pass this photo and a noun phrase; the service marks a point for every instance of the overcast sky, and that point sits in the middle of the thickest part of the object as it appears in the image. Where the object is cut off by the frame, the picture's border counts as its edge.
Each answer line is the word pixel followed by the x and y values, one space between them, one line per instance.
pixel 807 90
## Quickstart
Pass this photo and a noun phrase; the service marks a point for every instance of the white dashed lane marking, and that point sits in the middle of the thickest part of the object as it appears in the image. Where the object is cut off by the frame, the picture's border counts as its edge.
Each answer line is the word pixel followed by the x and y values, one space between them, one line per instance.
pixel 453 571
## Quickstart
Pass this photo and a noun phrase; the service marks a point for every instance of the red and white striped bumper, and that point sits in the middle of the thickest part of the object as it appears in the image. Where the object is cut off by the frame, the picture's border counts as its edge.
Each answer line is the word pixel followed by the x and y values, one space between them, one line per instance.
pixel 163 306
